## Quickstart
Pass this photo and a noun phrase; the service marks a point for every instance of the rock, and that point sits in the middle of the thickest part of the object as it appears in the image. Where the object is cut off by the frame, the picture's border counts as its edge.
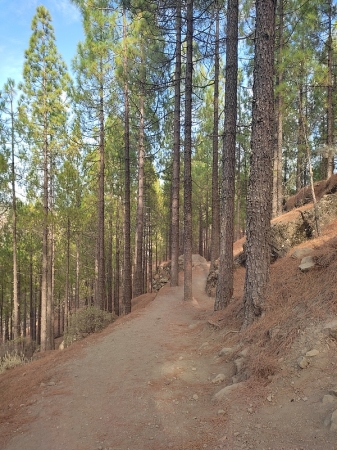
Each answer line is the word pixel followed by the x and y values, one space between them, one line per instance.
pixel 300 253
pixel 239 364
pixel 327 399
pixel 303 362
pixel 244 352
pixel 311 353
pixel 333 391
pixel 307 263
pixel 270 398
pixel 226 391
pixel 61 346
pixel 195 397
pixel 225 351
pixel 331 329
pixel 219 378
pixel 221 412
pixel 333 426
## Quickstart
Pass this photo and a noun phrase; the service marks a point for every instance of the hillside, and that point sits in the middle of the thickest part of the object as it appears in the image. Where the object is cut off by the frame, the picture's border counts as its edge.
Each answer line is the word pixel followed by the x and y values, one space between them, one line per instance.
pixel 154 380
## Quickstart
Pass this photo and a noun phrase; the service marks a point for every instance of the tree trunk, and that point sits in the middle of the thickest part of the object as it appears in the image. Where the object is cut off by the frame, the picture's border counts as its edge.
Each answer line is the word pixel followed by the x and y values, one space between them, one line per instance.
pixel 215 242
pixel 188 156
pixel 16 302
pixel 100 291
pixel 224 289
pixel 277 172
pixel 176 156
pixel 300 163
pixel 138 286
pixel 109 268
pixel 117 269
pixel 259 202
pixel 127 267
pixel 328 159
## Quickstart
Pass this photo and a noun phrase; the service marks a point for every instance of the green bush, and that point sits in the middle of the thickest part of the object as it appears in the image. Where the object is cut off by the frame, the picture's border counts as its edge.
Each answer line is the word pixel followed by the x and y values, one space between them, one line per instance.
pixel 10 360
pixel 86 321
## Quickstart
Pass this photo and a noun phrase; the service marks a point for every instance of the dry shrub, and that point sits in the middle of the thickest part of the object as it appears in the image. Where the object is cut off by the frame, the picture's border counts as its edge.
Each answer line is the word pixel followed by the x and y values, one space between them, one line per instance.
pixel 263 365
pixel 11 360
pixel 86 321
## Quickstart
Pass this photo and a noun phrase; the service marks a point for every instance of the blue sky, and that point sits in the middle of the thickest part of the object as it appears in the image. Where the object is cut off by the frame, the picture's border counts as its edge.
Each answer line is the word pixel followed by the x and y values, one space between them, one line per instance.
pixel 15 31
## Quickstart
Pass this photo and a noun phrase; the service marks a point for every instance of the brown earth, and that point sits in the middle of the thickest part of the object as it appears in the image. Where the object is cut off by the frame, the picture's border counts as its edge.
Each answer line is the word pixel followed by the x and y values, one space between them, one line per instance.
pixel 145 382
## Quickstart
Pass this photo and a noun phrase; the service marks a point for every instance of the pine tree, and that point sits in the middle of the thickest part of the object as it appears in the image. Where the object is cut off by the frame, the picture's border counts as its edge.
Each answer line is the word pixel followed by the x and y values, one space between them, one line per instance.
pixel 45 85
pixel 260 179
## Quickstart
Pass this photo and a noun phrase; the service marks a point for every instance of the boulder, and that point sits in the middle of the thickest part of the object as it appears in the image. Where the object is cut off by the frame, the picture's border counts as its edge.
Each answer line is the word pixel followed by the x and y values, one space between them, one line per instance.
pixel 288 231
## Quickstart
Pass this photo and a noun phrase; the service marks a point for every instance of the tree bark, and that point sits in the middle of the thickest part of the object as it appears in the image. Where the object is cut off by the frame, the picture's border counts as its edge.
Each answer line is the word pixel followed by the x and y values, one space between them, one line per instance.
pixel 224 291
pixel 127 290
pixel 215 239
pixel 138 286
pixel 100 291
pixel 277 171
pixel 176 156
pixel 328 160
pixel 259 202
pixel 188 156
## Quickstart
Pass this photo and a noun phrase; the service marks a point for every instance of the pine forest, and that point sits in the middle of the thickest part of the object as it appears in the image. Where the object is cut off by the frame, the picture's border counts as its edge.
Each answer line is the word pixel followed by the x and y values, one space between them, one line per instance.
pixel 180 127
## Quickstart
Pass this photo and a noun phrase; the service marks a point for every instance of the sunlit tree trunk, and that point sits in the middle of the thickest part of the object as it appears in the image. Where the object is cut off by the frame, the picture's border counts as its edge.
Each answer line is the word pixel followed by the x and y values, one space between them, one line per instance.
pixel 259 202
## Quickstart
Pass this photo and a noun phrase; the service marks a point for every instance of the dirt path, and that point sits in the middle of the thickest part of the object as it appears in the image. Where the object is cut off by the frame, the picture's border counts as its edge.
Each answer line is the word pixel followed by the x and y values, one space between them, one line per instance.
pixel 141 386
pixel 145 384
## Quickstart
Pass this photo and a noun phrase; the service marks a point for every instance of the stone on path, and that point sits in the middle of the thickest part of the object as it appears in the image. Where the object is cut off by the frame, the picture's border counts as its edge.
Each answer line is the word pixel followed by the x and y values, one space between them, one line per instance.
pixel 225 391
pixel 219 378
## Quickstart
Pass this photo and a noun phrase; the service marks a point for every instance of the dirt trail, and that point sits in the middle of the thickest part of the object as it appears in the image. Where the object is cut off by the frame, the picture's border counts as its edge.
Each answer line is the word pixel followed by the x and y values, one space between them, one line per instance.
pixel 143 385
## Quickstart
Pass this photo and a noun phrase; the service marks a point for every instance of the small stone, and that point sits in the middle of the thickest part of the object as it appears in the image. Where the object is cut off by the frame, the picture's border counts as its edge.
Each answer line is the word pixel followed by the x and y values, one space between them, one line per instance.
pixel 219 378
pixel 305 399
pixel 300 253
pixel 313 352
pixel 195 397
pixel 180 358
pixel 327 399
pixel 51 383
pixel 333 426
pixel 225 351
pixel 244 352
pixel 331 329
pixel 270 398
pixel 225 391
pixel 43 385
pixel 307 263
pixel 221 412
pixel 250 410
pixel 333 391
pixel 194 368
pixel 303 362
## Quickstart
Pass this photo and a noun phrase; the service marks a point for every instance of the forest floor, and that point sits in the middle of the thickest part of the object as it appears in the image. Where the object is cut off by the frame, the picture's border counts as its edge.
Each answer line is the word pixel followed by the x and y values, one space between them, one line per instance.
pixel 145 382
